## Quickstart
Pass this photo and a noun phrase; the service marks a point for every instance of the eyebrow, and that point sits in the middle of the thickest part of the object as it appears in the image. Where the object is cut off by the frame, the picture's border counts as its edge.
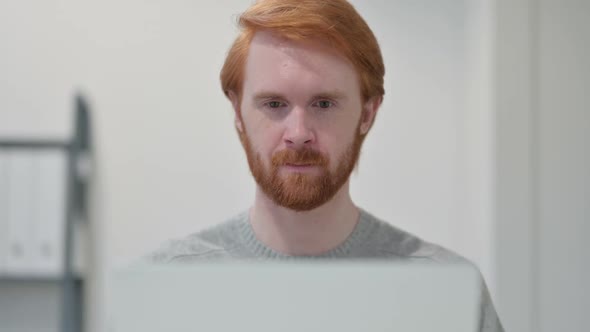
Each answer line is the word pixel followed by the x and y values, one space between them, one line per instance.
pixel 334 95
pixel 267 95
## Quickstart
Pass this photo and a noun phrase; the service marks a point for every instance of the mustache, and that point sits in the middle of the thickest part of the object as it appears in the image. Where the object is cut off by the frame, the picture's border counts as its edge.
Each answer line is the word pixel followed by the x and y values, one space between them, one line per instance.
pixel 300 157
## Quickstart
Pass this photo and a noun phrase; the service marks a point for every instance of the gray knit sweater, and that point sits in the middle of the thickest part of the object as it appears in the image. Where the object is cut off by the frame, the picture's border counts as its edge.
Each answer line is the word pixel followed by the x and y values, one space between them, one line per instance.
pixel 371 238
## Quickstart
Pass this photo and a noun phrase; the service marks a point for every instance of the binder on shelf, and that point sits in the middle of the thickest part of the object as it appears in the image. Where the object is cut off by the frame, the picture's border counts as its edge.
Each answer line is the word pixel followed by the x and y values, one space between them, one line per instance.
pixel 22 177
pixel 49 219
pixel 32 213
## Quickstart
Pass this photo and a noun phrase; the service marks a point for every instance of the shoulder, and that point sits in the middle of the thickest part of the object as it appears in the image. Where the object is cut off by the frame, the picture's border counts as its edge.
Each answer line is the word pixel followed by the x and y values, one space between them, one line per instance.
pixel 217 242
pixel 387 241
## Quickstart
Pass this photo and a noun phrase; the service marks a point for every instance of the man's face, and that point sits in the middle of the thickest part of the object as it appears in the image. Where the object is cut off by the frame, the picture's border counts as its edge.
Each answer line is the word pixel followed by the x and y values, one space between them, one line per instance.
pixel 299 120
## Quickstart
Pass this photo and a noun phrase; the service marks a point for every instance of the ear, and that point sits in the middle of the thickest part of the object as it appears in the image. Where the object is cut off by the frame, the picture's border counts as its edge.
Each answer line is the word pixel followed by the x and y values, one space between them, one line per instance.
pixel 370 109
pixel 235 102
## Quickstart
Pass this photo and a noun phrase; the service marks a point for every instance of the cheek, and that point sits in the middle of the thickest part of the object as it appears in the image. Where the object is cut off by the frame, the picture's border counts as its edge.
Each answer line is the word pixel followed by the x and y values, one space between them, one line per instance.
pixel 338 143
pixel 264 140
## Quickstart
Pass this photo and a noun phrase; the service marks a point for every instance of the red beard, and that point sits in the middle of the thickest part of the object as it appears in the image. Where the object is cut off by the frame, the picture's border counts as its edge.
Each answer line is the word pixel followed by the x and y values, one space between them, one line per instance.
pixel 301 191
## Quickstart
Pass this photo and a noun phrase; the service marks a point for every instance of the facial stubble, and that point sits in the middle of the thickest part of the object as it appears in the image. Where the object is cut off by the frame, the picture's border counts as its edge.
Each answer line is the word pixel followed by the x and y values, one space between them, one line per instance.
pixel 301 191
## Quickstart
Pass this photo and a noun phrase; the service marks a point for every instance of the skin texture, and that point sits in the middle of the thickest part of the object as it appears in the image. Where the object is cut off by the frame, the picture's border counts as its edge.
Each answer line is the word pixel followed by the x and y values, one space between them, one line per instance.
pixel 302 121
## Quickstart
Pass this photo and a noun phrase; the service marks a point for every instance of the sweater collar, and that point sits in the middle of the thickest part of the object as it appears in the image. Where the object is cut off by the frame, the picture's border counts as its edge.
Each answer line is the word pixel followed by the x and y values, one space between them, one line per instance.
pixel 347 249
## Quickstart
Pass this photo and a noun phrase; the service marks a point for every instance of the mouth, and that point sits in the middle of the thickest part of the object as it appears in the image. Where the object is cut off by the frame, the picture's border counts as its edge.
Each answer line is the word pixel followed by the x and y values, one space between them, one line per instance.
pixel 299 167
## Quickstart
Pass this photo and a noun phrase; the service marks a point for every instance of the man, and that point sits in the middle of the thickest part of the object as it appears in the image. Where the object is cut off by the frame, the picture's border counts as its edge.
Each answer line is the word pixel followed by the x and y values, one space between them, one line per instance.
pixel 305 79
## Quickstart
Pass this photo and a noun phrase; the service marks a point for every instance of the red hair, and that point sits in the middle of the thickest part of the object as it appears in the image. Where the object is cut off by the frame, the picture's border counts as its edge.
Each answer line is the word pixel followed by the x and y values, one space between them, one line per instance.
pixel 333 20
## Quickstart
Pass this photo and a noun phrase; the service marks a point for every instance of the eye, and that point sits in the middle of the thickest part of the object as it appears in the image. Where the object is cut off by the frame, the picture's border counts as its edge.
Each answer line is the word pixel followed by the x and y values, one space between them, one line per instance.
pixel 273 104
pixel 324 104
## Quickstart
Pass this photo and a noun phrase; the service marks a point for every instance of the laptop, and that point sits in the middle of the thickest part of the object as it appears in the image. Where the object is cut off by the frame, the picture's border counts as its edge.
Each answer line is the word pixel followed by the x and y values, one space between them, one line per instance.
pixel 295 297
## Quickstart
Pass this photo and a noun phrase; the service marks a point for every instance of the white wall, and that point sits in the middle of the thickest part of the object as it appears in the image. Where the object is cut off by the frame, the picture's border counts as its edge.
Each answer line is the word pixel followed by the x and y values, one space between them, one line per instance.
pixel 513 86
pixel 563 165
pixel 543 164
pixel 167 156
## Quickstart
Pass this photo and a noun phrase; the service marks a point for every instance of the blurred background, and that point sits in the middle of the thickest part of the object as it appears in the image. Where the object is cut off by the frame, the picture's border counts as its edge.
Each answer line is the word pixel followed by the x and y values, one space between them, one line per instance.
pixel 481 144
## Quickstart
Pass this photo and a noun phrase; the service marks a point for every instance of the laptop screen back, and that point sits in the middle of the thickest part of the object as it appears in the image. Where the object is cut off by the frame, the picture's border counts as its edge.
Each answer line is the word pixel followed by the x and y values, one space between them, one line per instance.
pixel 295 297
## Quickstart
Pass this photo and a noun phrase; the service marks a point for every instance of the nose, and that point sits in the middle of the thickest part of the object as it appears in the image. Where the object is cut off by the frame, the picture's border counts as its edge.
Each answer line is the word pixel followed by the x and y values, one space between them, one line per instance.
pixel 298 132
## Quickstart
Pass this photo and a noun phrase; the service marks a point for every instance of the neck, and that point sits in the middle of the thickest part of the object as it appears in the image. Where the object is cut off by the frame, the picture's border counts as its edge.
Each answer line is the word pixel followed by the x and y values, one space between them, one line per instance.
pixel 304 233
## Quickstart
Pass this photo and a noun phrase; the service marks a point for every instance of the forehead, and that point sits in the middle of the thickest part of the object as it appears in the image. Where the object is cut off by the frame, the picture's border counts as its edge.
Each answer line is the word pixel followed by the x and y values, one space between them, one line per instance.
pixel 275 62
